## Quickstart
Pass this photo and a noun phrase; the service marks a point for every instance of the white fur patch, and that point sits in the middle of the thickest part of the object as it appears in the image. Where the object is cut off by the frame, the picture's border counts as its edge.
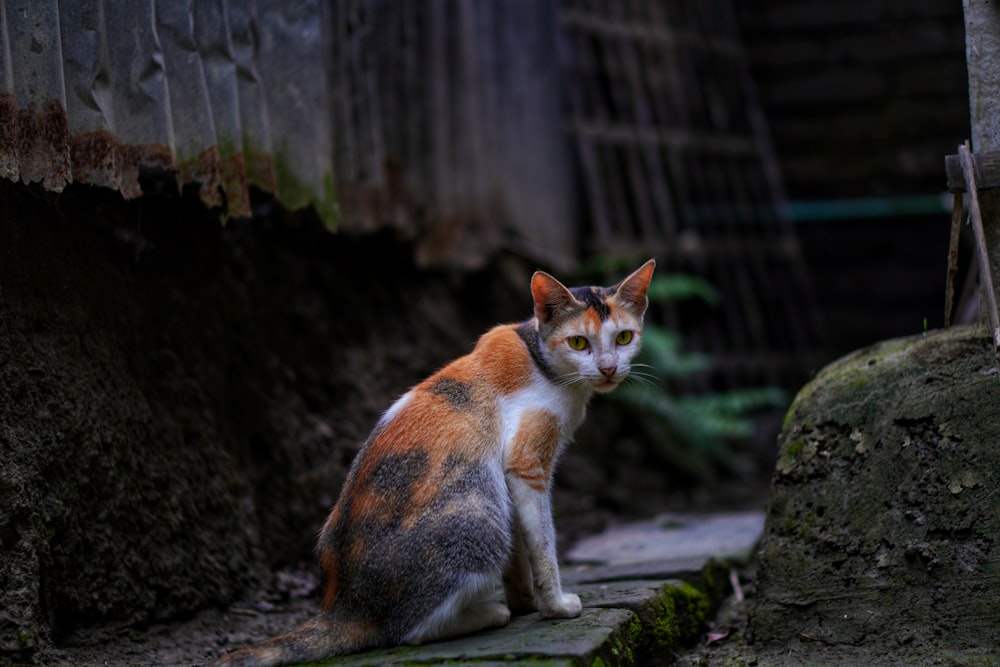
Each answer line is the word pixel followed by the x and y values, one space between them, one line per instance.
pixel 566 404
pixel 394 409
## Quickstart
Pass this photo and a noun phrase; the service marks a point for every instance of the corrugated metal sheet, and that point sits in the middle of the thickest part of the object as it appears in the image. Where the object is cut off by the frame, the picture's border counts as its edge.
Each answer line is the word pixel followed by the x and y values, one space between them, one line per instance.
pixel 223 93
pixel 449 127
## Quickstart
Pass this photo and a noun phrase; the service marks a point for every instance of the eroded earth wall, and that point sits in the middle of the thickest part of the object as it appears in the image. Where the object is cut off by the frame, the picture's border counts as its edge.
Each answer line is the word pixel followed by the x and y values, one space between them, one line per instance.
pixel 179 400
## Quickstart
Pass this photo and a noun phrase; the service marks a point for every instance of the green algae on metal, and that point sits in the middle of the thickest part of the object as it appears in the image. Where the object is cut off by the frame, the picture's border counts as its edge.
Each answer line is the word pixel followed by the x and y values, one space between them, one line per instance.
pixel 295 194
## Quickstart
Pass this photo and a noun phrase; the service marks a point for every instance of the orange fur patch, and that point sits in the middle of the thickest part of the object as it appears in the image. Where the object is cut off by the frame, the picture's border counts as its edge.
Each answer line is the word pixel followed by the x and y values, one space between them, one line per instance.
pixel 534 448
pixel 591 321
pixel 331 575
pixel 449 421
pixel 328 560
pixel 500 359
pixel 359 632
pixel 431 425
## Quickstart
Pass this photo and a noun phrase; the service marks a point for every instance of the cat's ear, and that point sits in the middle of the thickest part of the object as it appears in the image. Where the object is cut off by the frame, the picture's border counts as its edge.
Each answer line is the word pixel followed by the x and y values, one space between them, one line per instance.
pixel 551 297
pixel 632 290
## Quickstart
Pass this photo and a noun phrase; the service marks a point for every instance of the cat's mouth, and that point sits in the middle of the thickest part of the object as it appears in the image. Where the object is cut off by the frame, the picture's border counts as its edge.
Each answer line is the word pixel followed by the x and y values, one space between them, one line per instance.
pixel 604 385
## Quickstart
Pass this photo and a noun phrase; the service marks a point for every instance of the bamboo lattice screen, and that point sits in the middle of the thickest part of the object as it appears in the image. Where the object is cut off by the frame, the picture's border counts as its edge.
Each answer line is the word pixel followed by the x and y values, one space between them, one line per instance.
pixel 674 160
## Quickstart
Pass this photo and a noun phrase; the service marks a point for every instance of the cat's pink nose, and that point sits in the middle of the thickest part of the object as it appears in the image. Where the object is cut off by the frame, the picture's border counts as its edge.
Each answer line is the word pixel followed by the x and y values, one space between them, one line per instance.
pixel 608 371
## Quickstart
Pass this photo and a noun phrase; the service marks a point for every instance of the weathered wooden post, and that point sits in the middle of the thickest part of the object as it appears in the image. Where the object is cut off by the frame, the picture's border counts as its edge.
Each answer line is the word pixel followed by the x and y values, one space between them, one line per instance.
pixel 982 55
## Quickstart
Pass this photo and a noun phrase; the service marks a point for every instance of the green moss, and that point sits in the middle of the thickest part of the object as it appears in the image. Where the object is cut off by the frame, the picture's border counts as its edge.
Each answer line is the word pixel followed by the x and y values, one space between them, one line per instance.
pixel 621 647
pixel 634 628
pixel 787 419
pixel 621 656
pixel 622 652
pixel 679 614
pixel 851 371
pixel 795 447
pixel 713 580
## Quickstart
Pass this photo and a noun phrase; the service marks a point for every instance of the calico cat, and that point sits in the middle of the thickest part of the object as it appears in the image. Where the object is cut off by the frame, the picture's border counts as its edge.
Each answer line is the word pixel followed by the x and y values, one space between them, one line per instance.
pixel 450 495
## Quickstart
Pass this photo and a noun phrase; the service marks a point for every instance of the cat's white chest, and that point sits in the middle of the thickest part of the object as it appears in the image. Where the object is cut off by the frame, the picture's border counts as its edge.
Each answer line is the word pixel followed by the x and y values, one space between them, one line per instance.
pixel 566 406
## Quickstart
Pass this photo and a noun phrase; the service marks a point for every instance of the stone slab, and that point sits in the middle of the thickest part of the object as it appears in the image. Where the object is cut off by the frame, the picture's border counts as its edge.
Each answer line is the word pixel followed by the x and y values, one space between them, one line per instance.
pixel 669 545
pixel 664 569
pixel 628 604
pixel 631 595
pixel 561 641
pixel 617 575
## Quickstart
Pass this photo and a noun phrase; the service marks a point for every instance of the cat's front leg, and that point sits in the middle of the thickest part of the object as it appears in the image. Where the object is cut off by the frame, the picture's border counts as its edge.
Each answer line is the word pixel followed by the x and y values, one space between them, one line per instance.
pixel 517 579
pixel 533 511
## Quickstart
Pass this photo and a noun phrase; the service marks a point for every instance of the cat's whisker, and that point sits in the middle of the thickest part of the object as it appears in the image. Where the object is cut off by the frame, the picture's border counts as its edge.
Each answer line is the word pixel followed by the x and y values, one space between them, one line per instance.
pixel 569 379
pixel 645 374
pixel 636 364
pixel 643 368
pixel 644 379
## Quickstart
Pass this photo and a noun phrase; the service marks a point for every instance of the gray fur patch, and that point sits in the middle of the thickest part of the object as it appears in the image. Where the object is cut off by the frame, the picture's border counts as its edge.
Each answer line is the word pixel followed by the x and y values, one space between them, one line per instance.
pixel 406 573
pixel 456 392
pixel 530 336
pixel 594 297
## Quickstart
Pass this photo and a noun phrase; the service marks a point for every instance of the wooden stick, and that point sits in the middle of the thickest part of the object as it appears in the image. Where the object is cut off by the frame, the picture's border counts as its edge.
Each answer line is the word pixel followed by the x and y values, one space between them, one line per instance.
pixel 956 227
pixel 985 275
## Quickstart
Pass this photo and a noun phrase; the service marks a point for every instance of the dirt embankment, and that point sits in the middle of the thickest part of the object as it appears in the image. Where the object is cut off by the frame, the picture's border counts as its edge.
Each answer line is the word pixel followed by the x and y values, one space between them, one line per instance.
pixel 179 402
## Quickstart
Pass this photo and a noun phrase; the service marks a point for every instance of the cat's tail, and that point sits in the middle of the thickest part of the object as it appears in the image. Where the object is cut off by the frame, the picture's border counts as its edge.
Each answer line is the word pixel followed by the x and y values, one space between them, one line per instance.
pixel 321 637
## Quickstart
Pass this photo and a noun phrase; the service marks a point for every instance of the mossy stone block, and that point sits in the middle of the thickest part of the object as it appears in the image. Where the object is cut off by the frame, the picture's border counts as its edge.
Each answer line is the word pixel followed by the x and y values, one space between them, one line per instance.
pixel 883 526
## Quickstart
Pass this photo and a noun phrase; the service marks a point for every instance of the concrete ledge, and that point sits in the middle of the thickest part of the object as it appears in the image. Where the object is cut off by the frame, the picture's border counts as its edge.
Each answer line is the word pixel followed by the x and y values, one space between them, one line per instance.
pixel 550 642
pixel 647 592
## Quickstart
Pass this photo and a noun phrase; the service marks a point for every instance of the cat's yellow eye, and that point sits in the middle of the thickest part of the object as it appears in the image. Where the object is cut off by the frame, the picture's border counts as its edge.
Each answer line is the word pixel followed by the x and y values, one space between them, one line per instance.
pixel 624 337
pixel 578 342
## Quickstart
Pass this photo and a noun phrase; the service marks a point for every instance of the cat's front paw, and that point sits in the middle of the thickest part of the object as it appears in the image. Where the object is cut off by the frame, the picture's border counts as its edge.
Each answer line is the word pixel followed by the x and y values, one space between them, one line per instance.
pixel 568 605
pixel 519 602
